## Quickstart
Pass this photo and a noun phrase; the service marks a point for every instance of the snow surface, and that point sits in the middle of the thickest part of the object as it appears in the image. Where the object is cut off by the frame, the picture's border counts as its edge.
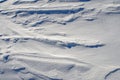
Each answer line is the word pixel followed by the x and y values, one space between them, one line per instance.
pixel 59 39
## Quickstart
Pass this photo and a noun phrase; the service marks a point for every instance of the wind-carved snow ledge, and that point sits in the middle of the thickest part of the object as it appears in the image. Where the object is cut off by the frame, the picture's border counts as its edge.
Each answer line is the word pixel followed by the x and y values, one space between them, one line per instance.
pixel 82 43
pixel 36 16
pixel 56 41
pixel 24 1
pixel 113 75
pixel 1 1
pixel 112 9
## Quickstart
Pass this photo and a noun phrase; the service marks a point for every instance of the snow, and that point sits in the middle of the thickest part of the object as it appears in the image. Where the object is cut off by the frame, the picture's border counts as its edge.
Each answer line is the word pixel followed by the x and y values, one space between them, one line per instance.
pixel 59 40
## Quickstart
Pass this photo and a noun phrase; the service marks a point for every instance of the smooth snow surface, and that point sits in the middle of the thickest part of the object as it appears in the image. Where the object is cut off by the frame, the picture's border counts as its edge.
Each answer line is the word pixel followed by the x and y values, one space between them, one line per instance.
pixel 59 39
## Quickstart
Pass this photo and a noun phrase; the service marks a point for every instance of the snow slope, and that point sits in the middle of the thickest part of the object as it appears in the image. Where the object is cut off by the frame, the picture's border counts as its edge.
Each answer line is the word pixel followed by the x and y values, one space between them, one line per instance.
pixel 59 39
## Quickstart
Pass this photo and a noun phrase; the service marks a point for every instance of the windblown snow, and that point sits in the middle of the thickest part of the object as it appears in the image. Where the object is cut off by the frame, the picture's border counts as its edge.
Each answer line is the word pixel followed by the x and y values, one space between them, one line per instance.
pixel 59 39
